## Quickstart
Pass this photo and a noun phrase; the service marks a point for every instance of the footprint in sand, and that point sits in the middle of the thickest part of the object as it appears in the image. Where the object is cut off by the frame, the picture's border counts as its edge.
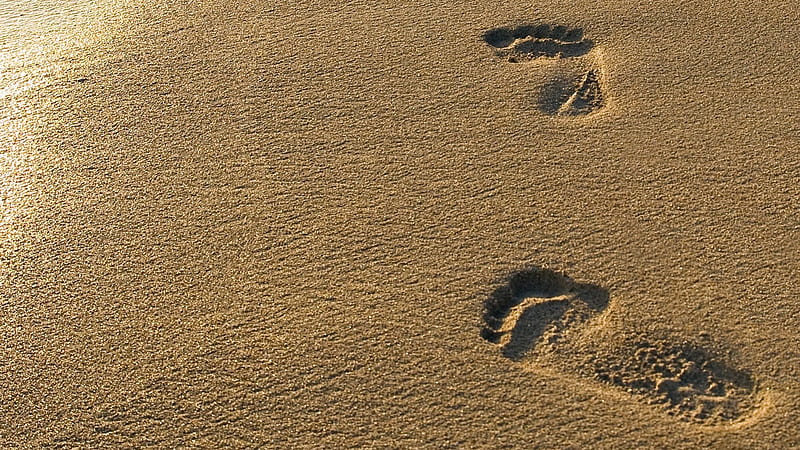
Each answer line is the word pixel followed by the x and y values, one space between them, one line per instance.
pixel 538 315
pixel 572 92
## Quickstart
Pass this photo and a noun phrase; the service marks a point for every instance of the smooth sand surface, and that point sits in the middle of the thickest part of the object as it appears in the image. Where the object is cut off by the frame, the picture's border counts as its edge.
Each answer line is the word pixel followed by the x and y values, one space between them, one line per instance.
pixel 389 224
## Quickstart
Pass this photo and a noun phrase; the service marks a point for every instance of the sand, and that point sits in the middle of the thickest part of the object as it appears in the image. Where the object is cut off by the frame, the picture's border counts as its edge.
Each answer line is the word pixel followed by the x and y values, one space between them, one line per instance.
pixel 563 224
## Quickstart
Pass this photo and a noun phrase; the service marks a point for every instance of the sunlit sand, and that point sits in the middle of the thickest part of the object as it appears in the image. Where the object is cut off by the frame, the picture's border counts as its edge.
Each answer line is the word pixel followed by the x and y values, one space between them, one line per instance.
pixel 408 225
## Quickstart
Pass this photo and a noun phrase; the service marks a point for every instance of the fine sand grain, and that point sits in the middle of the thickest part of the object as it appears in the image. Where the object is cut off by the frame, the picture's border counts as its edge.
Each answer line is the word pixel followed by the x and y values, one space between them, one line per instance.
pixel 563 224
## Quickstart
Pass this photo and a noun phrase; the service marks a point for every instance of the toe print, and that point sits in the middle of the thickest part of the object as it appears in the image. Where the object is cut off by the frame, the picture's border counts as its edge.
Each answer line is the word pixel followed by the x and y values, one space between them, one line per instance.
pixel 535 41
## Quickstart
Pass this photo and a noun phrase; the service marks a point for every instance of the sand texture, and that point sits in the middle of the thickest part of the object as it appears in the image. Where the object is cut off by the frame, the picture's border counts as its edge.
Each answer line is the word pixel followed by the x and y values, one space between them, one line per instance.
pixel 385 224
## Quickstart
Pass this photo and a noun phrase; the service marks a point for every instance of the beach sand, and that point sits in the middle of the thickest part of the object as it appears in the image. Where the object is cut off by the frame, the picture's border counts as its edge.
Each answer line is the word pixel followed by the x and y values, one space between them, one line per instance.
pixel 563 224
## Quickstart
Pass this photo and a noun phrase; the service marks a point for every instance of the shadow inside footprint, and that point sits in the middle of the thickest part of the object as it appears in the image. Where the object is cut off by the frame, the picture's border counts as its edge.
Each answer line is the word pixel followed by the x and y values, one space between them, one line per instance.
pixel 532 301
pixel 564 96
pixel 595 297
pixel 535 282
pixel 551 48
pixel 527 42
pixel 554 94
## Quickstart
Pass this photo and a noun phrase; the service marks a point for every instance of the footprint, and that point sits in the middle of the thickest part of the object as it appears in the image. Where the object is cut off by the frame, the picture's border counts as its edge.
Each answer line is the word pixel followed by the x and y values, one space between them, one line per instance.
pixel 685 380
pixel 537 306
pixel 528 42
pixel 569 94
pixel 537 315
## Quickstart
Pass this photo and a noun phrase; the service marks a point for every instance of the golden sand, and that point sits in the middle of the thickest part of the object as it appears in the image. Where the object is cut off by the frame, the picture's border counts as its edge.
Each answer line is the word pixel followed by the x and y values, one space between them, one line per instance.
pixel 564 224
